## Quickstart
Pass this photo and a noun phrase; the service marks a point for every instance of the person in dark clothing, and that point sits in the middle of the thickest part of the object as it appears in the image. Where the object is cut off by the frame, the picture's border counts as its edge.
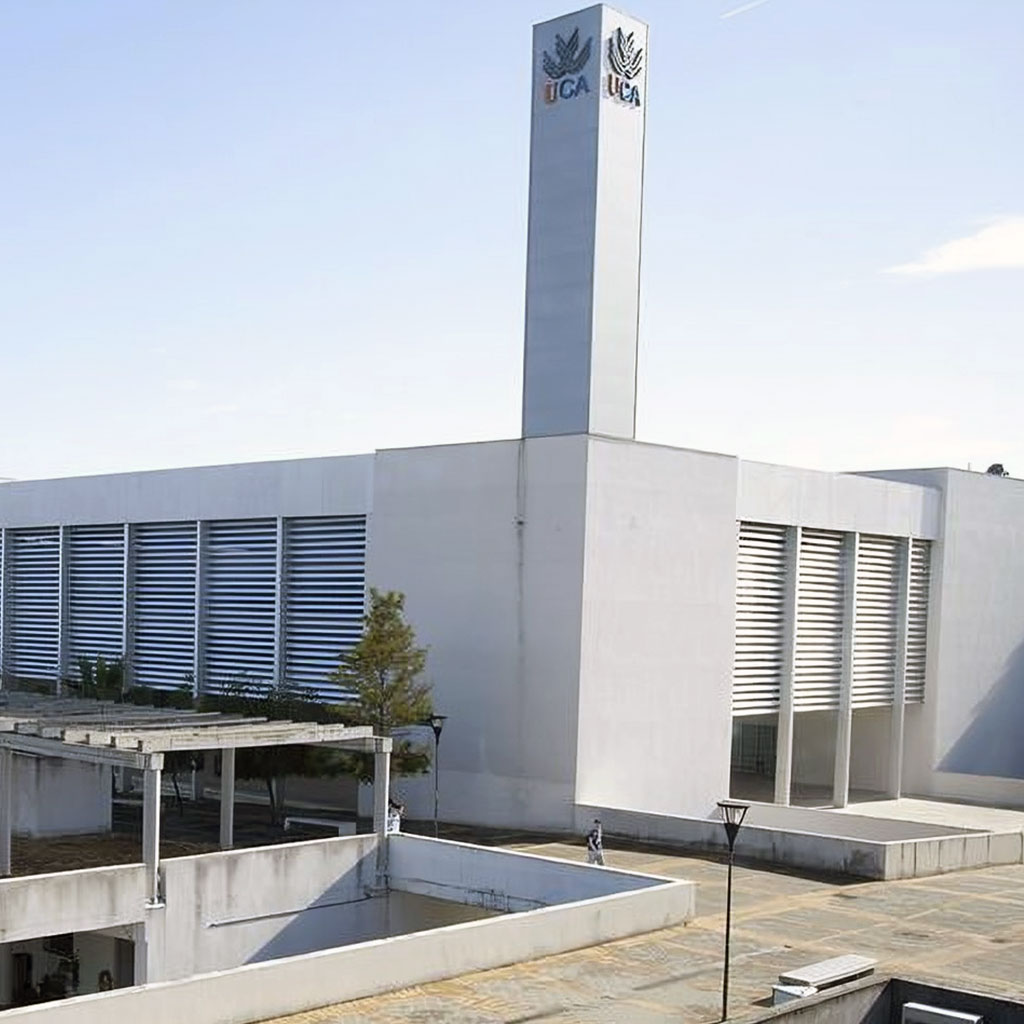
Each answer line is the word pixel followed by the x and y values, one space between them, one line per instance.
pixel 595 845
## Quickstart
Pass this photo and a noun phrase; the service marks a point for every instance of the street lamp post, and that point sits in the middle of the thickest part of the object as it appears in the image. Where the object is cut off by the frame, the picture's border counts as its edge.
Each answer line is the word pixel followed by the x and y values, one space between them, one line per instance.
pixel 733 814
pixel 437 724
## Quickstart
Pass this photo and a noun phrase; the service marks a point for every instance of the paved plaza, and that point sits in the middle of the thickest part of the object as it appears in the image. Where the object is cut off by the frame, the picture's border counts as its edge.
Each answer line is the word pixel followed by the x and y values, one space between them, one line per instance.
pixel 964 929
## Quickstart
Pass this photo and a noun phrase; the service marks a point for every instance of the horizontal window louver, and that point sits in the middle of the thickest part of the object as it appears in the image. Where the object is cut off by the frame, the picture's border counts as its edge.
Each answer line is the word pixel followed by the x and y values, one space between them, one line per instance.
pixel 917 619
pixel 760 618
pixel 95 593
pixel 239 588
pixel 876 627
pixel 324 579
pixel 164 607
pixel 818 658
pixel 32 610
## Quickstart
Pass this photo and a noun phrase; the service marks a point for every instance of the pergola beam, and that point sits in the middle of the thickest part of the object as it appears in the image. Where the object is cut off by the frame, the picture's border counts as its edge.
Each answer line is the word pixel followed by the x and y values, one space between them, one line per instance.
pixel 77 751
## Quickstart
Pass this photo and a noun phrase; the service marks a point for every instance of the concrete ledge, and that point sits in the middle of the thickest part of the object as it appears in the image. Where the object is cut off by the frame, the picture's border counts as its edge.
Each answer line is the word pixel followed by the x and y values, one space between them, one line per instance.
pixel 77 901
pixel 279 987
pixel 837 848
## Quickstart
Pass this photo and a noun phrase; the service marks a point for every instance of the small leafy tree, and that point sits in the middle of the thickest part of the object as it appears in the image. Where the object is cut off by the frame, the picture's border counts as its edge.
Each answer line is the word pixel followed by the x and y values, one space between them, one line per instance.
pixel 383 671
pixel 272 765
pixel 99 679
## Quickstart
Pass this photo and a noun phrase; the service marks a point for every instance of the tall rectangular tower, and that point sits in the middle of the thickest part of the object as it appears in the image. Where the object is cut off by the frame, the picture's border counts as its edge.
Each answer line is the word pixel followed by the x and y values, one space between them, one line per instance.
pixel 583 252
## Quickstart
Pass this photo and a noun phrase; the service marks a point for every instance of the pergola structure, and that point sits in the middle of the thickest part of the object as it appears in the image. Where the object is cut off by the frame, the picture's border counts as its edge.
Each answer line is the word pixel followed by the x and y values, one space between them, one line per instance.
pixel 105 733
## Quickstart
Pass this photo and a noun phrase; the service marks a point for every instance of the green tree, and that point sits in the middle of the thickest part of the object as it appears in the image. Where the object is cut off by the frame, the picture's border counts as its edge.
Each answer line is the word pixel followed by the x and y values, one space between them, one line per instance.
pixel 383 672
pixel 99 679
pixel 272 765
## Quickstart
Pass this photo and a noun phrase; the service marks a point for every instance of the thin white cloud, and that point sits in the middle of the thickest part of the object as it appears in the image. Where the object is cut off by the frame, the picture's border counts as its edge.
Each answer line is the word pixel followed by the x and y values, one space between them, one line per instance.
pixel 997 246
pixel 743 9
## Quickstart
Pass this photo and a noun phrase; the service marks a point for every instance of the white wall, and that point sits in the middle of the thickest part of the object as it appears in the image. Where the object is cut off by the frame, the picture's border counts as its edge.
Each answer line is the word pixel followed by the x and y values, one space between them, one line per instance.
pixel 500 879
pixel 966 742
pixel 71 901
pixel 658 627
pixel 260 991
pixel 486 541
pixel 243 906
pixel 835 501
pixel 296 487
pixel 55 796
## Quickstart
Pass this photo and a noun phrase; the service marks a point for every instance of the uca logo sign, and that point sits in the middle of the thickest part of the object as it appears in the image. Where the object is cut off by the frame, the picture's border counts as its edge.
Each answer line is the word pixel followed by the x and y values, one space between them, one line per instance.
pixel 626 62
pixel 565 70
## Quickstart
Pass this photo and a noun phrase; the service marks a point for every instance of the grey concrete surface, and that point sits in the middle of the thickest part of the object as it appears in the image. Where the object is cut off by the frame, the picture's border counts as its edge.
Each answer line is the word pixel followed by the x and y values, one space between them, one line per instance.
pixel 965 930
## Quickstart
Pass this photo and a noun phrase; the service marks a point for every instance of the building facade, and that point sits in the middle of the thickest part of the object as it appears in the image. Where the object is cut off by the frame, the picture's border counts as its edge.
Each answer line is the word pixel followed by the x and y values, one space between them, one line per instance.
pixel 610 623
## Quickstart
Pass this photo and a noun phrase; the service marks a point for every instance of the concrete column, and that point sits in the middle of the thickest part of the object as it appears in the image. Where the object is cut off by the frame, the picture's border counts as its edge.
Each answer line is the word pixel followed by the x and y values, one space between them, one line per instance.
pixel 227 799
pixel 844 718
pixel 63 631
pixel 381 791
pixel 784 735
pixel 279 611
pixel 6 809
pixel 140 972
pixel 128 606
pixel 6 974
pixel 151 832
pixel 897 721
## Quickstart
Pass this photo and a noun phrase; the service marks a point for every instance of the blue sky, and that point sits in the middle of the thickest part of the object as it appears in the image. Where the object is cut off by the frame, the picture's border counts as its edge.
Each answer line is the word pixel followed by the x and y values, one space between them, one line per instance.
pixel 238 229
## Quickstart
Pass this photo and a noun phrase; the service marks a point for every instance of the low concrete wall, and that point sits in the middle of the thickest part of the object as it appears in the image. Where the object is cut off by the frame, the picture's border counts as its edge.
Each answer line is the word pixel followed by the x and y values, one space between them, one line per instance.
pixel 242 906
pixel 823 841
pixel 917 858
pixel 71 901
pixel 261 991
pixel 500 879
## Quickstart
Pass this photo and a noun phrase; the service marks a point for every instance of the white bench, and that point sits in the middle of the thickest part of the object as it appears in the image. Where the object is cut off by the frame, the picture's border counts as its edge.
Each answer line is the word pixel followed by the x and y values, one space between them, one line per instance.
pixel 344 828
pixel 827 973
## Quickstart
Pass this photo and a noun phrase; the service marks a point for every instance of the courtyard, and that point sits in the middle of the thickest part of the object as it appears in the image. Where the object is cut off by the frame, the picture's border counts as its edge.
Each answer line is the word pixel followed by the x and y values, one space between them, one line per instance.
pixel 964 929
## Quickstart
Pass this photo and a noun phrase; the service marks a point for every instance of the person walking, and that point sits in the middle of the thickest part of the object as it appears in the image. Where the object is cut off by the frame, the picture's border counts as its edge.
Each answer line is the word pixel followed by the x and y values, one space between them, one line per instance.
pixel 395 811
pixel 595 845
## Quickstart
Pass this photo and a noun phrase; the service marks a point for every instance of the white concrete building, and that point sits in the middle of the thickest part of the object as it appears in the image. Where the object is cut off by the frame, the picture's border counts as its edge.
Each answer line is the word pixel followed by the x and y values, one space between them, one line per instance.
pixel 611 623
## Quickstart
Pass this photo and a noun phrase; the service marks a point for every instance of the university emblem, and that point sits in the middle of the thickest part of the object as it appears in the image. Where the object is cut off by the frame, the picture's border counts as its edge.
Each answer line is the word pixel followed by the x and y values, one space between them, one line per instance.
pixel 564 69
pixel 625 59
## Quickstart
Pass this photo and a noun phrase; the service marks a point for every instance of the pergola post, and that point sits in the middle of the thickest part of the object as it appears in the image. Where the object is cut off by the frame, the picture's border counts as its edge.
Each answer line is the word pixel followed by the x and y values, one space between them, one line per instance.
pixel 6 809
pixel 227 798
pixel 381 792
pixel 151 829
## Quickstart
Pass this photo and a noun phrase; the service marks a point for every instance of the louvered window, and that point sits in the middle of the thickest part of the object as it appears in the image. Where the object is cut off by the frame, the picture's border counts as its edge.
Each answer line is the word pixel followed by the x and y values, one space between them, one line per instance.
pixel 240 569
pixel 818 662
pixel 876 629
pixel 760 618
pixel 95 593
pixel 324 577
pixel 33 601
pixel 164 608
pixel 917 623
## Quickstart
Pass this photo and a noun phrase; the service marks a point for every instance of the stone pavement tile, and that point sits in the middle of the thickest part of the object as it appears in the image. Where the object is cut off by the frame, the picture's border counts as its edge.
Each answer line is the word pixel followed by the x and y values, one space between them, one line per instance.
pixel 886 900
pixel 978 881
pixel 1003 970
pixel 1000 918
